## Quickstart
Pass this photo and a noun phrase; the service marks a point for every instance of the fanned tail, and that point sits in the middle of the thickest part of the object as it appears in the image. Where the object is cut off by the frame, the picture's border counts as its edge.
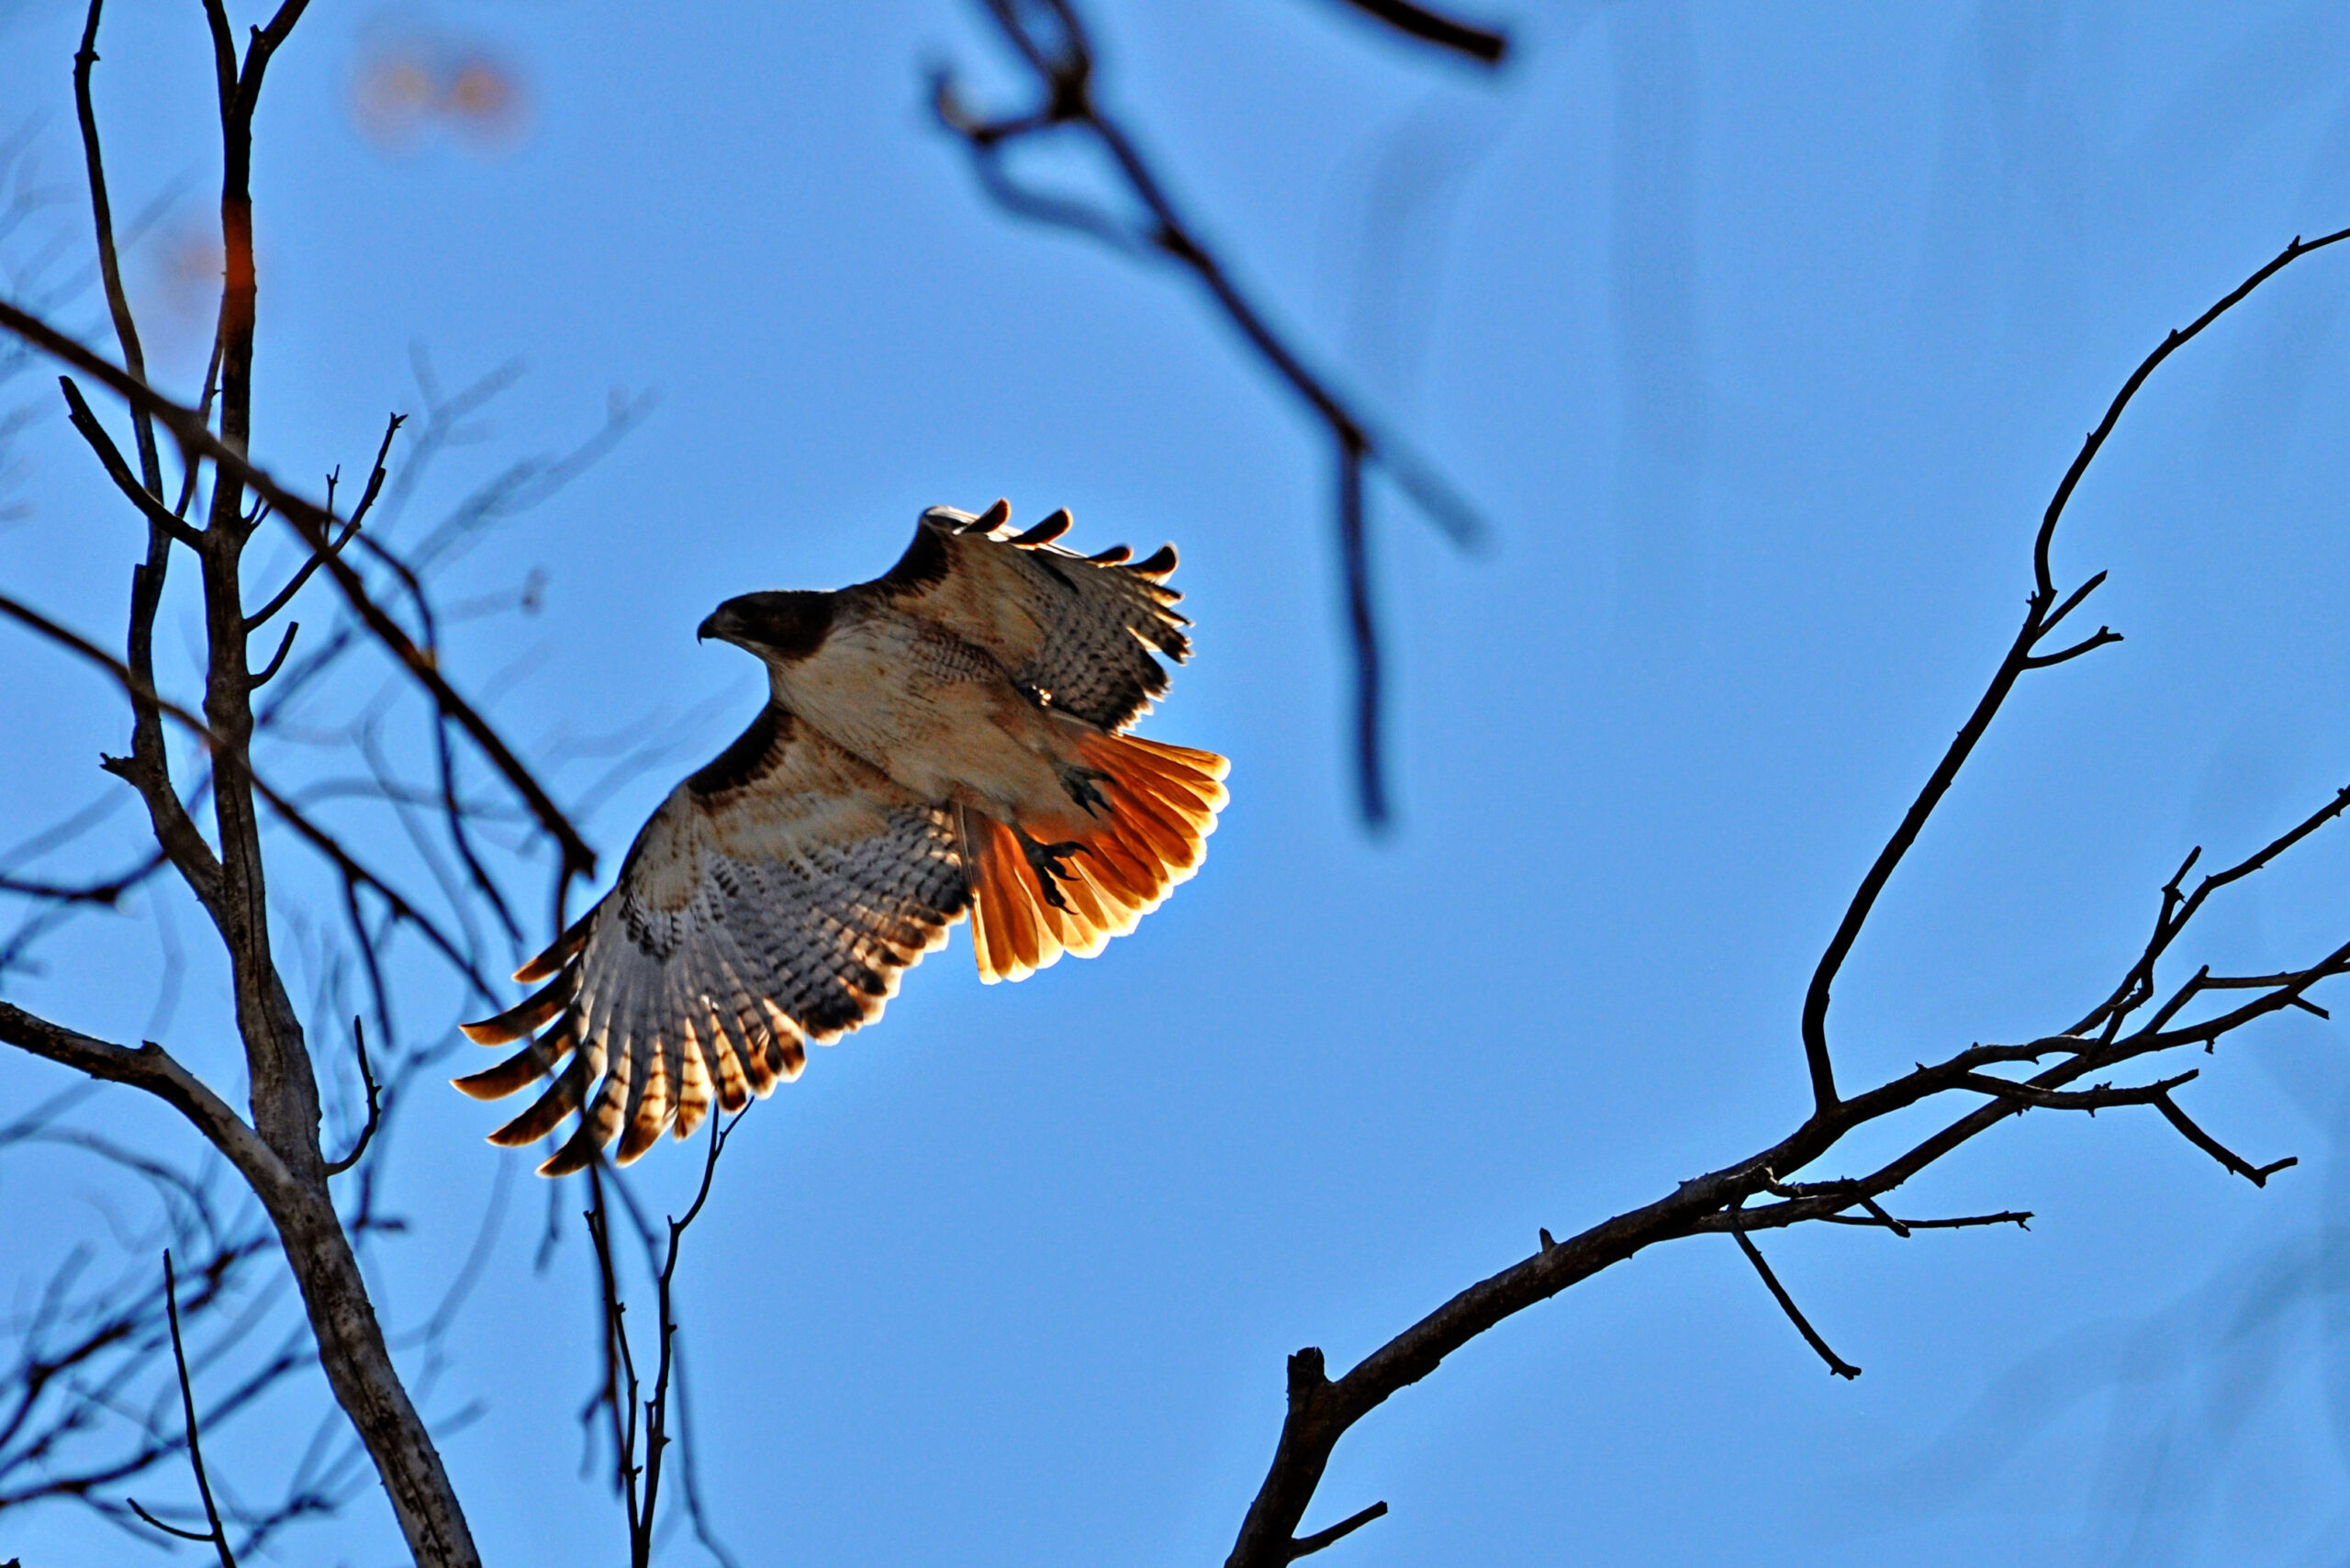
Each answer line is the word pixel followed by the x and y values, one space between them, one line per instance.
pixel 1159 805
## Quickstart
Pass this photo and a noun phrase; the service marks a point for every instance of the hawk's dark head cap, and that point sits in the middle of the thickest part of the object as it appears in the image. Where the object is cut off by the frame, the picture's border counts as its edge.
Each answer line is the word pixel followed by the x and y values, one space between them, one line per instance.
pixel 786 625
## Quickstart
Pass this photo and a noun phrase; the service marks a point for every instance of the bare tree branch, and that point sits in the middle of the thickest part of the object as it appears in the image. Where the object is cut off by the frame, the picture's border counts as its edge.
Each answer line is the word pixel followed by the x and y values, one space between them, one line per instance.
pixel 1322 1410
pixel 621 1396
pixel 239 766
pixel 2256 1174
pixel 218 1535
pixel 277 660
pixel 284 595
pixel 1836 1364
pixel 316 528
pixel 375 1103
pixel 2089 1100
pixel 2037 623
pixel 151 505
pixel 126 330
pixel 1308 1545
pixel 152 1069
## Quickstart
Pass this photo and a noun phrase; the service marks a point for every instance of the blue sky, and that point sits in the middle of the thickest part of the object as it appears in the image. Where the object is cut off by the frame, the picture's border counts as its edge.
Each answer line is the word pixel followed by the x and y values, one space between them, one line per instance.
pixel 1761 335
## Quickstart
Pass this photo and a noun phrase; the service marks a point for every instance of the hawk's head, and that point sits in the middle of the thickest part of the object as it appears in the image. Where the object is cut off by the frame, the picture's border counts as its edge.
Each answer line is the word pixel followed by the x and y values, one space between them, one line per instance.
pixel 783 626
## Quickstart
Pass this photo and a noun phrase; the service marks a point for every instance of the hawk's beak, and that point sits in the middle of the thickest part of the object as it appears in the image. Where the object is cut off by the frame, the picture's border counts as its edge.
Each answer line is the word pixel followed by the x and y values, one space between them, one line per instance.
pixel 728 625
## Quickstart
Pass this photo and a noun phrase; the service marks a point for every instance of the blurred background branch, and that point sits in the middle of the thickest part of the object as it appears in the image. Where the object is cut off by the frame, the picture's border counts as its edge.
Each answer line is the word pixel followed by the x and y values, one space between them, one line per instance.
pixel 1487 46
pixel 1052 42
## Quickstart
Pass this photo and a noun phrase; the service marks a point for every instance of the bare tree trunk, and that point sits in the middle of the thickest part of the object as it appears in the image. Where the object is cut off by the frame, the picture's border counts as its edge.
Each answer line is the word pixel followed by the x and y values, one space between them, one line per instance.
pixel 359 1369
pixel 278 1152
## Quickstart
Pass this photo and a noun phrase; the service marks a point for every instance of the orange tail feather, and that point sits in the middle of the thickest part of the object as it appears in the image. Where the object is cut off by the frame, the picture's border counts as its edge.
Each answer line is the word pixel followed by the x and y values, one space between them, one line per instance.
pixel 1161 802
pixel 1013 939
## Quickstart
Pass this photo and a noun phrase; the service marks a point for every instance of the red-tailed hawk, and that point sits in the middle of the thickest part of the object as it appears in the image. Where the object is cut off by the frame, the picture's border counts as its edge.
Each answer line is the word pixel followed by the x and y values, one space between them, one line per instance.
pixel 944 738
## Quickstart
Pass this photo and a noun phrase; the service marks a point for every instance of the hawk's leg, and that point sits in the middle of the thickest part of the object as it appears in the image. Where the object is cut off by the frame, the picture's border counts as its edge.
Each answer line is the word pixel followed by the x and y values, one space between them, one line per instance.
pixel 1079 780
pixel 1049 862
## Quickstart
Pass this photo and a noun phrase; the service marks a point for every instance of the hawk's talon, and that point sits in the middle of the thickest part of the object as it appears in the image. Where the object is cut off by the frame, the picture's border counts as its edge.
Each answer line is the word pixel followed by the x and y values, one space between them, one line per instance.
pixel 1079 780
pixel 1046 861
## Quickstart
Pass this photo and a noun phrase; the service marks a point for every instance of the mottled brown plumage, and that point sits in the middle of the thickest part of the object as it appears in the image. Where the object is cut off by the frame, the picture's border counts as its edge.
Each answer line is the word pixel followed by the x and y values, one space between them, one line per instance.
pixel 943 739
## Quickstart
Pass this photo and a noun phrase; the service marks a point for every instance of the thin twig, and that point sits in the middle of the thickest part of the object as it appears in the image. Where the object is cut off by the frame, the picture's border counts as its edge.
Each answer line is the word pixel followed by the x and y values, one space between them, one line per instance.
pixel 2102 638
pixel 126 329
pixel 284 595
pixel 2095 441
pixel 284 646
pixel 2090 1100
pixel 1354 551
pixel 218 1535
pixel 1836 1364
pixel 1487 46
pixel 375 1103
pixel 1308 1545
pixel 638 1477
pixel 150 505
pixel 106 891
pixel 2256 1174
pixel 2020 1218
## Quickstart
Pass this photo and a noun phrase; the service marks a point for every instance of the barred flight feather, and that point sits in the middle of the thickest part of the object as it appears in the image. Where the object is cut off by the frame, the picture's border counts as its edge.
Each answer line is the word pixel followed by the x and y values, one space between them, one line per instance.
pixel 1080 629
pixel 779 907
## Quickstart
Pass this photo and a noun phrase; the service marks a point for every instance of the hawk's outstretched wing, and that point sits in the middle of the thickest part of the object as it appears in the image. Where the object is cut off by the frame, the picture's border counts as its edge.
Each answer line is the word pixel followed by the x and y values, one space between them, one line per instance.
pixel 772 900
pixel 1076 629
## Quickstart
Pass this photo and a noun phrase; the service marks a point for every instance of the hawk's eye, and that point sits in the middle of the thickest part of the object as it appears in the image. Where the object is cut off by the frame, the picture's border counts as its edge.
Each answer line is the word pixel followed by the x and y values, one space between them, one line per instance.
pixel 792 624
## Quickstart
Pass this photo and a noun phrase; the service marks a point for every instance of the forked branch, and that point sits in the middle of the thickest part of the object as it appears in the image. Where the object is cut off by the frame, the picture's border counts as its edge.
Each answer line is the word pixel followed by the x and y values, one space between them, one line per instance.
pixel 217 1534
pixel 639 1423
pixel 2042 616
pixel 1322 1410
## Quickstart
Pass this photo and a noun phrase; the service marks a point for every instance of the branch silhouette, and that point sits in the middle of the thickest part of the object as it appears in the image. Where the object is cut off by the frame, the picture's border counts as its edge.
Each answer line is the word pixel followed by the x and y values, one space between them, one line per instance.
pixel 215 1534
pixel 1486 46
pixel 1323 1409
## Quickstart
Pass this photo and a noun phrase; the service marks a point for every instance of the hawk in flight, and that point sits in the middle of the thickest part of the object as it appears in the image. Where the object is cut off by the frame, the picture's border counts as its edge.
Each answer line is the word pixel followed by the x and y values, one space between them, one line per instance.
pixel 947 738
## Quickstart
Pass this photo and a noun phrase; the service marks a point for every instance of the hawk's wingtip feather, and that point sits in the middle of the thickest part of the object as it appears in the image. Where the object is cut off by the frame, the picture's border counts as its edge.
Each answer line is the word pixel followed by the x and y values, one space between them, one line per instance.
pixel 1045 533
